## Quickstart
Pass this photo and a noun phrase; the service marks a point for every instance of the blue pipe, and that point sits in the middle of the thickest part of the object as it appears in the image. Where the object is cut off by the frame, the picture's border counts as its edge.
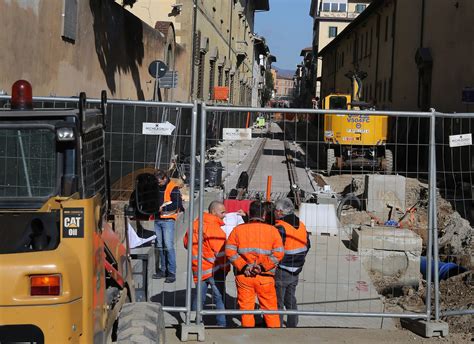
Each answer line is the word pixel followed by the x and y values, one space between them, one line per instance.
pixel 445 270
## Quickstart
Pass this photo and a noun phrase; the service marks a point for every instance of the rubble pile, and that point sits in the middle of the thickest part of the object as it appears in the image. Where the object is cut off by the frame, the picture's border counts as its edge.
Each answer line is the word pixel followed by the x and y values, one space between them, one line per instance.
pixel 456 244
pixel 457 293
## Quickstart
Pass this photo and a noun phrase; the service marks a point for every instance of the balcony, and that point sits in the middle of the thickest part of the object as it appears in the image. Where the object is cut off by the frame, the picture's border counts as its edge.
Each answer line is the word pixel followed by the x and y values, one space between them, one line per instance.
pixel 241 49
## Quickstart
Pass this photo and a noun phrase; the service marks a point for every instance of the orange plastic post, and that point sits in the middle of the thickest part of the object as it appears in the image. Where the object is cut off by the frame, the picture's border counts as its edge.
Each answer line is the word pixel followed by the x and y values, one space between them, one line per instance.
pixel 269 188
pixel 248 120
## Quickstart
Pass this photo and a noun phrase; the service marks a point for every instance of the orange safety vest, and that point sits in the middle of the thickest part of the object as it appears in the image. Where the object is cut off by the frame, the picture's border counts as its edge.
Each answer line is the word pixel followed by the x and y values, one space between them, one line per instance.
pixel 213 241
pixel 296 246
pixel 255 243
pixel 167 198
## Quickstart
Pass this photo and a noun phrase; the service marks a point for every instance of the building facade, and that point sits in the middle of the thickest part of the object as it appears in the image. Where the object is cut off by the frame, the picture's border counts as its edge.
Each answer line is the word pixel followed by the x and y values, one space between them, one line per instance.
pixel 330 18
pixel 284 88
pixel 415 55
pixel 412 53
pixel 218 40
pixel 63 47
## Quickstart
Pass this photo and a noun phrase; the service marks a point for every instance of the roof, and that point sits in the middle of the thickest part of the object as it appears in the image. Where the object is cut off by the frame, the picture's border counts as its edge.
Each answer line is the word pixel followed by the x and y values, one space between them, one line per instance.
pixel 306 50
pixel 163 26
pixel 358 20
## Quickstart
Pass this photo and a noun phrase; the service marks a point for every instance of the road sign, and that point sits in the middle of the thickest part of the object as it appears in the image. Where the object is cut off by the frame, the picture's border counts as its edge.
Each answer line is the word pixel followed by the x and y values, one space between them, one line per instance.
pixel 460 140
pixel 169 80
pixel 237 134
pixel 165 128
pixel 157 69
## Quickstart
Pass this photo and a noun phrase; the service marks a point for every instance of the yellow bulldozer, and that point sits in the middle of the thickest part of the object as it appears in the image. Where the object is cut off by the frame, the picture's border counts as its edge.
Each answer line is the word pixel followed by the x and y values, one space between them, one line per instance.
pixel 65 273
pixel 355 141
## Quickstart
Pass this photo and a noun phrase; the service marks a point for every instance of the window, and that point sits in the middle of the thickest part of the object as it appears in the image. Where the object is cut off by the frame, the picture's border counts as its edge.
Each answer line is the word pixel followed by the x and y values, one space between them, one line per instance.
pixel 70 20
pixel 231 91
pixel 342 7
pixel 326 7
pixel 334 7
pixel 360 7
pixel 220 75
pixel 212 77
pixel 200 79
pixel 338 103
pixel 332 31
pixel 226 78
pixel 29 164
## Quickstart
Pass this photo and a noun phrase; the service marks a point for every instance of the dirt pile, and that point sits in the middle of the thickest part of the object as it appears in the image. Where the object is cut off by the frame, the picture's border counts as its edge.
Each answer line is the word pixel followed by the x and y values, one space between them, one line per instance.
pixel 457 293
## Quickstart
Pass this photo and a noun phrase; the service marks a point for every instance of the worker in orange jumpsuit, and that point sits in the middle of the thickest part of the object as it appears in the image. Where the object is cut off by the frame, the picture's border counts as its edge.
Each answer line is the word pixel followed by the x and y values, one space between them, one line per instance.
pixel 214 263
pixel 254 249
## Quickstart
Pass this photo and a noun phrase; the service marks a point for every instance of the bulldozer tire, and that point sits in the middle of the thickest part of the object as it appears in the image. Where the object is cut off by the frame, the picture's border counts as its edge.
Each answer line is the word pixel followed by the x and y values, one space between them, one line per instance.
pixel 331 160
pixel 388 162
pixel 141 322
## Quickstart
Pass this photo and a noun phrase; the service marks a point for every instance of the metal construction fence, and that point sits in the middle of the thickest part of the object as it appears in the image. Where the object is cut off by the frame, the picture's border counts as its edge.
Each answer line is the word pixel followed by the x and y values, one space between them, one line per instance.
pixel 378 212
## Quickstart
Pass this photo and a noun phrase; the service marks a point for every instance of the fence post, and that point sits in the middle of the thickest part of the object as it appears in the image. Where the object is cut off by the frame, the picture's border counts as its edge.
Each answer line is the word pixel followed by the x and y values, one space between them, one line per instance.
pixel 202 179
pixel 433 208
pixel 192 178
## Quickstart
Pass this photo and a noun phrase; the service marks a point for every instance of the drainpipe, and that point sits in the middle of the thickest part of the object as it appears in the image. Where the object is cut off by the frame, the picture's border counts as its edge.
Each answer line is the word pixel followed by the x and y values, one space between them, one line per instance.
pixel 422 29
pixel 376 93
pixel 393 49
pixel 194 47
pixel 230 29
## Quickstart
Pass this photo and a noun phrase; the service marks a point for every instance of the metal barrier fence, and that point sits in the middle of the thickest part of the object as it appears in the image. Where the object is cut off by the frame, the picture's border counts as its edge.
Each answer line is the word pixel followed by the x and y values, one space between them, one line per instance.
pixel 338 280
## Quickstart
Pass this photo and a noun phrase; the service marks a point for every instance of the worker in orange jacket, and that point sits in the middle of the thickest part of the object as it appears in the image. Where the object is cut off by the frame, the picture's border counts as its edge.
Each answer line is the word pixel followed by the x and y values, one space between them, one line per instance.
pixel 214 263
pixel 254 249
pixel 296 241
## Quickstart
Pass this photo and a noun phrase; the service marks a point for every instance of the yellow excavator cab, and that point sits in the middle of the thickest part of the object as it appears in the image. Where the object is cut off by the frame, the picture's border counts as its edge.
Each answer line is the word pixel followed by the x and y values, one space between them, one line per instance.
pixel 355 140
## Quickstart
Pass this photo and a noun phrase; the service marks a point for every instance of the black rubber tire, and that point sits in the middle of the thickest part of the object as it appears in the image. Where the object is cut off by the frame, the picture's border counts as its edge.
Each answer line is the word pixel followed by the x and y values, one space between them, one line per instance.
pixel 388 165
pixel 331 160
pixel 141 322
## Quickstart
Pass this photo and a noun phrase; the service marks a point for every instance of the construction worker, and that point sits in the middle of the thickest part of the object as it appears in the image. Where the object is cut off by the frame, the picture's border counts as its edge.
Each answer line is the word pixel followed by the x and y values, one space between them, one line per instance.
pixel 254 249
pixel 296 242
pixel 170 204
pixel 214 265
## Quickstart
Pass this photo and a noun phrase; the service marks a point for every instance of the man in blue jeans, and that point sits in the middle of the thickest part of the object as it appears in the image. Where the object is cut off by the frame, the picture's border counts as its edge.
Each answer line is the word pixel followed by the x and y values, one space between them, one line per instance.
pixel 170 201
pixel 214 264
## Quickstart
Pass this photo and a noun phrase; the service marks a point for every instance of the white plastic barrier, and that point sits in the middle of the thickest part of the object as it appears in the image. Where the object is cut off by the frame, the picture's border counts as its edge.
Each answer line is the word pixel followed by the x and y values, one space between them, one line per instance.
pixel 320 219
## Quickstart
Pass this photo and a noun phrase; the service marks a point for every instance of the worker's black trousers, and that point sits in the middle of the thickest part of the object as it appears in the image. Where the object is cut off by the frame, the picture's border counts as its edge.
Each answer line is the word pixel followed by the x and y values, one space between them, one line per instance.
pixel 285 284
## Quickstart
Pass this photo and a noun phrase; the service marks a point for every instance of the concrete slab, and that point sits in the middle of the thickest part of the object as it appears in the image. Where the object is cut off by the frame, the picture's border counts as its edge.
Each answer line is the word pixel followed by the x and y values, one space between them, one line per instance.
pixel 425 328
pixel 386 238
pixel 381 190
pixel 392 252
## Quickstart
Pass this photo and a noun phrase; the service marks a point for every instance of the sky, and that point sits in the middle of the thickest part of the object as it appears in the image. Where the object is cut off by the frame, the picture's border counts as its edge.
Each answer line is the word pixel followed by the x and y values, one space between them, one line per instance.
pixel 287 28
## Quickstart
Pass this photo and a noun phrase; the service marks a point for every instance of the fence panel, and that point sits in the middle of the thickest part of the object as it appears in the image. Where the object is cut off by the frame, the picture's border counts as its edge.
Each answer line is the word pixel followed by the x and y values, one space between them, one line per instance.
pixel 372 205
pixel 353 270
pixel 455 218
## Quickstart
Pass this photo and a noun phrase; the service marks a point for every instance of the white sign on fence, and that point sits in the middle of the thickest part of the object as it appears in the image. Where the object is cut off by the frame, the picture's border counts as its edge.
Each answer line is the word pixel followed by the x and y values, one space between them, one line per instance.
pixel 460 140
pixel 237 134
pixel 165 128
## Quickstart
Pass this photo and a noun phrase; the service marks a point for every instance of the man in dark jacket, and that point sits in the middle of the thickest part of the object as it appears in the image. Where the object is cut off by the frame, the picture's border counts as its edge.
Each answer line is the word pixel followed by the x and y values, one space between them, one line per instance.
pixel 296 243
pixel 170 204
